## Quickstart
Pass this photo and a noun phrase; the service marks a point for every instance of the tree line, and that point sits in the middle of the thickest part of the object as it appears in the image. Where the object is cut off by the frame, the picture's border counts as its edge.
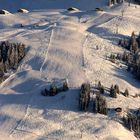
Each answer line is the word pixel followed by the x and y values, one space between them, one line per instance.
pixel 99 103
pixel 132 57
pixel 10 56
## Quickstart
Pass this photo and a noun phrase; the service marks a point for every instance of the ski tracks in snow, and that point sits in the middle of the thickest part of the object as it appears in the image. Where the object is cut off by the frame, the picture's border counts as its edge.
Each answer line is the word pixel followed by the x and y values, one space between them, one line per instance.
pixel 51 35
pixel 54 25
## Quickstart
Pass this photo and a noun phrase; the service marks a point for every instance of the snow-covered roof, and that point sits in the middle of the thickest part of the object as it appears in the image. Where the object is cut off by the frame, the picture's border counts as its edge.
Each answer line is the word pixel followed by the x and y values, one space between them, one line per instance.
pixel 4 12
pixel 72 9
pixel 23 10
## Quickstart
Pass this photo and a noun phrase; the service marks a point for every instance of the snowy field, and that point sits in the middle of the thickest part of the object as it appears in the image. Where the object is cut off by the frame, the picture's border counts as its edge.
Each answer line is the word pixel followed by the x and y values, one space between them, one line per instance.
pixel 62 44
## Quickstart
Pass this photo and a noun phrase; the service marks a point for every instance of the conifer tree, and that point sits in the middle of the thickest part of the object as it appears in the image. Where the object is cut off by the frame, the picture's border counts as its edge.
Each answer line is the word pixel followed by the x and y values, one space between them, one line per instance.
pixel 100 105
pixel 113 92
pixel 126 93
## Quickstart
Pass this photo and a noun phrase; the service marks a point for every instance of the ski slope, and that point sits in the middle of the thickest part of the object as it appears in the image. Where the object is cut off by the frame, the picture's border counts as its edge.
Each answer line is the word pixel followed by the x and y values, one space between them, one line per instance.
pixel 65 53
pixel 63 45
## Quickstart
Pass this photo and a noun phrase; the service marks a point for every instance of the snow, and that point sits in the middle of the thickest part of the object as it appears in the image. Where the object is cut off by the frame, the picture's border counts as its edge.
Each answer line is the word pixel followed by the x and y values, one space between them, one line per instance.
pixel 62 45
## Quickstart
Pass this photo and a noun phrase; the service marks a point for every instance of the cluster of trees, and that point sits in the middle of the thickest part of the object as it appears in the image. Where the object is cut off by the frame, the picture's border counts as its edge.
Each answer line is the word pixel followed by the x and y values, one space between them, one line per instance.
pixel 132 121
pixel 134 65
pixel 126 56
pixel 114 91
pixel 99 103
pixel 54 90
pixel 10 56
pixel 132 61
pixel 132 43
pixel 132 58
pixel 112 2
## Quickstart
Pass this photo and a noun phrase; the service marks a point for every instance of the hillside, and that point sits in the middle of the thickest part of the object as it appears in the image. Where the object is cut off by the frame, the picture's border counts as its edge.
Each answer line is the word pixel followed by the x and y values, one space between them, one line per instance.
pixel 62 44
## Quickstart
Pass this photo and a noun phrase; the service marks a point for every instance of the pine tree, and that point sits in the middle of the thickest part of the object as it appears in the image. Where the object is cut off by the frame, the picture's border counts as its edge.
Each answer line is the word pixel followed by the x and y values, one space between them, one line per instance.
pixel 99 85
pixel 84 97
pixel 113 92
pixel 100 105
pixel 116 87
pixel 126 93
pixel 102 90
pixel 65 85
pixel 133 43
pixel 53 90
pixel 132 122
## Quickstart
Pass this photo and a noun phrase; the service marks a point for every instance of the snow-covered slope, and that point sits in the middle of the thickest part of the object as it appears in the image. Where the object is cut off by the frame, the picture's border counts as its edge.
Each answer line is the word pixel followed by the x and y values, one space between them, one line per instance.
pixel 63 45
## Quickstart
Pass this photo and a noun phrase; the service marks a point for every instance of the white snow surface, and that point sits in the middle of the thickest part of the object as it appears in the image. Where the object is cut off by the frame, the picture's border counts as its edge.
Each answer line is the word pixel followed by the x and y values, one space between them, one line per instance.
pixel 63 45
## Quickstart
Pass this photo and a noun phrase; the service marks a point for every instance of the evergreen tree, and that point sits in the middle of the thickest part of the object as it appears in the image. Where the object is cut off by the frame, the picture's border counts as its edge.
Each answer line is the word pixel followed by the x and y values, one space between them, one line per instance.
pixel 116 87
pixel 65 85
pixel 84 97
pixel 100 105
pixel 99 85
pixel 132 122
pixel 102 90
pixel 126 93
pixel 133 43
pixel 113 92
pixel 53 90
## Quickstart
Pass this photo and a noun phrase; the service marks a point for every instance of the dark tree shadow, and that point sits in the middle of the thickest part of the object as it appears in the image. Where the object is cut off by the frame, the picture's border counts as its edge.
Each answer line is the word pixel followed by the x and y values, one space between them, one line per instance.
pixel 67 101
pixel 122 73
pixel 106 34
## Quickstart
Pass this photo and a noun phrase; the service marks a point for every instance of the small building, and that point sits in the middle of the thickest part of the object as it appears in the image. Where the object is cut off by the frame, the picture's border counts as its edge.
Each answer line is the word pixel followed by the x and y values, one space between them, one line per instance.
pixel 23 10
pixel 4 12
pixel 99 9
pixel 72 9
